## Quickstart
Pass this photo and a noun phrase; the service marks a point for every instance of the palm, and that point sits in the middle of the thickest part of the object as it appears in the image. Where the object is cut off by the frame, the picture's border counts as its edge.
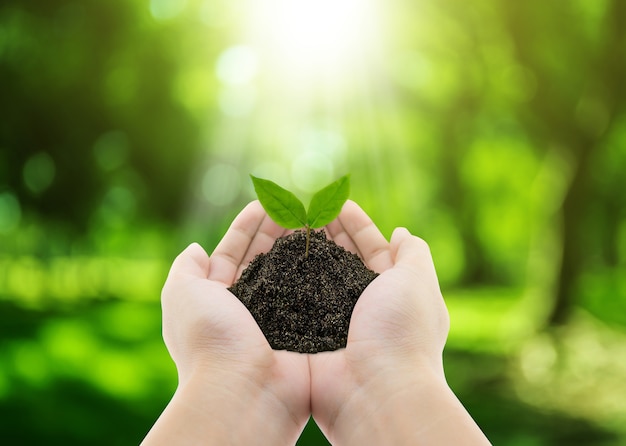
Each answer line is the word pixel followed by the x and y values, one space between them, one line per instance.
pixel 298 375
pixel 222 326
pixel 251 233
pixel 246 340
pixel 329 371
pixel 301 381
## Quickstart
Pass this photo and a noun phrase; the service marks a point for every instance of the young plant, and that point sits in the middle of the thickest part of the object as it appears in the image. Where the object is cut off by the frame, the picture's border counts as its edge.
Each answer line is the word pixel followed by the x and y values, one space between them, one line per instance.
pixel 288 211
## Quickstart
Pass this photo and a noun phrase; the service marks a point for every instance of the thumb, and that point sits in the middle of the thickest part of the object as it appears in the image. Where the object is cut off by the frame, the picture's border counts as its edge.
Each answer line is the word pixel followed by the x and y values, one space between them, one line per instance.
pixel 192 262
pixel 412 252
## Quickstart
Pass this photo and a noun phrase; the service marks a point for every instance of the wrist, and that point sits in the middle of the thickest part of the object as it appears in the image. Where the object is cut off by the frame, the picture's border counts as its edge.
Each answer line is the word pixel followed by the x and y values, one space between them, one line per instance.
pixel 405 408
pixel 376 407
pixel 221 408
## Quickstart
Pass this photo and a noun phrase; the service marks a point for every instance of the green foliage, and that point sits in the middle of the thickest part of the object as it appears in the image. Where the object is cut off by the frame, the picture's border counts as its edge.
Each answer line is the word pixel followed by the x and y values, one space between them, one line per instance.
pixel 327 203
pixel 280 204
pixel 288 211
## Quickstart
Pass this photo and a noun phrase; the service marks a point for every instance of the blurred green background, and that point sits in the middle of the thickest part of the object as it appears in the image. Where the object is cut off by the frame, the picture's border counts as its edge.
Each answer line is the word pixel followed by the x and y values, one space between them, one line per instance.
pixel 494 129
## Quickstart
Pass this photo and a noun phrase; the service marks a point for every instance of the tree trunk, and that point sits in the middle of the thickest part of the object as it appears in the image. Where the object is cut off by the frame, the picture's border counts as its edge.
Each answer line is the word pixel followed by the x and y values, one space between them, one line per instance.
pixel 574 241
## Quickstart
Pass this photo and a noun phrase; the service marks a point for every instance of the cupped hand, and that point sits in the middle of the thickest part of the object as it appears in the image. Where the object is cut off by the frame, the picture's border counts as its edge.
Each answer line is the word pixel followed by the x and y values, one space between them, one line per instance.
pixel 386 387
pixel 208 331
pixel 398 327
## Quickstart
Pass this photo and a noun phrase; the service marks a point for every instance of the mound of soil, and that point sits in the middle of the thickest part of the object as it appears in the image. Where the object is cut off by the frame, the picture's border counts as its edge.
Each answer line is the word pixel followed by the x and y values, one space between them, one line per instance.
pixel 303 304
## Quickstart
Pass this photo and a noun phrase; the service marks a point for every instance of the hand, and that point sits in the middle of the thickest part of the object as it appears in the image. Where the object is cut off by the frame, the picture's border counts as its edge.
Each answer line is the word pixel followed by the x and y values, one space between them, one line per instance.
pixel 233 388
pixel 388 386
pixel 226 366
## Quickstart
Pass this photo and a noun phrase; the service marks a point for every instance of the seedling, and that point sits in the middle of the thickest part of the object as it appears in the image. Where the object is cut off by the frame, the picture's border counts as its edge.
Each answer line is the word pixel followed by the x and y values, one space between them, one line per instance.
pixel 288 211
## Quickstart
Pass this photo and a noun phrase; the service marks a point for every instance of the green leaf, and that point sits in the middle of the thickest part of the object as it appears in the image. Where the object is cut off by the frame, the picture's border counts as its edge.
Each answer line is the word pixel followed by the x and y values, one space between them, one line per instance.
pixel 281 205
pixel 327 203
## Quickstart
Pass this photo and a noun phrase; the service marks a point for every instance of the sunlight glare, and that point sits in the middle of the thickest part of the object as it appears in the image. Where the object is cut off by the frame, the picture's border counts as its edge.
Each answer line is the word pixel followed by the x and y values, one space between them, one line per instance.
pixel 315 36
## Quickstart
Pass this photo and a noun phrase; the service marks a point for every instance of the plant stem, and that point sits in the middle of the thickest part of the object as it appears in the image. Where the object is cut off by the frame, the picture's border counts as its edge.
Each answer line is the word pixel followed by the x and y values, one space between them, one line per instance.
pixel 308 238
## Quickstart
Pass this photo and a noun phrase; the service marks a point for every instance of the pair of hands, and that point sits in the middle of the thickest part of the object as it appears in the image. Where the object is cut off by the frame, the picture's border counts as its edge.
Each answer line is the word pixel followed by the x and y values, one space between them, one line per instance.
pixel 233 387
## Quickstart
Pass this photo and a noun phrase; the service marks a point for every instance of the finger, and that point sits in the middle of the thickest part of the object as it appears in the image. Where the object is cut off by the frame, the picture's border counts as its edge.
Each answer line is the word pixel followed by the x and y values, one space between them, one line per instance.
pixel 192 262
pixel 233 247
pixel 267 233
pixel 338 233
pixel 412 252
pixel 252 227
pixel 412 255
pixel 369 241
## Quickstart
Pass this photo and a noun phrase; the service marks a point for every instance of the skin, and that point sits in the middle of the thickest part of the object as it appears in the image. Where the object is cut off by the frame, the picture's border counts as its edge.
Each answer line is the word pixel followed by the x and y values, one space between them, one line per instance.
pixel 233 388
pixel 386 387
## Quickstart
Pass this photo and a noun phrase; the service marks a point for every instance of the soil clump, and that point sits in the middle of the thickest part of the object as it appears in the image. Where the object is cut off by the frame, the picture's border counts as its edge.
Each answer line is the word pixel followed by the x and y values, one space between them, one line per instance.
pixel 303 304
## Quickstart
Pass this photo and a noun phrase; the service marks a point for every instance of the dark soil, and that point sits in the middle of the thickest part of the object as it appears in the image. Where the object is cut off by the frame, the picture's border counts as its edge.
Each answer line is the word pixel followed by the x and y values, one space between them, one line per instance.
pixel 303 304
